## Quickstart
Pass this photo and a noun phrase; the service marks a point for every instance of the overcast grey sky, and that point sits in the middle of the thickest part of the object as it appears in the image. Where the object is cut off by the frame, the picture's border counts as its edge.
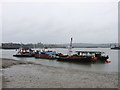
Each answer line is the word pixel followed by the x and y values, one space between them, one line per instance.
pixel 56 22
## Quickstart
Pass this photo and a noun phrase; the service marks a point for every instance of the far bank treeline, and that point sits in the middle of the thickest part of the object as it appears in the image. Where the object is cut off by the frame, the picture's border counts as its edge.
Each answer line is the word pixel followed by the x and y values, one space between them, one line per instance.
pixel 41 45
pixel 30 45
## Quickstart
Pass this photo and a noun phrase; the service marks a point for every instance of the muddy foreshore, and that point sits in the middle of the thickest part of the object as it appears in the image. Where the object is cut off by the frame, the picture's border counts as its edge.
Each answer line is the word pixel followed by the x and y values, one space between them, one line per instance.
pixel 23 74
pixel 6 63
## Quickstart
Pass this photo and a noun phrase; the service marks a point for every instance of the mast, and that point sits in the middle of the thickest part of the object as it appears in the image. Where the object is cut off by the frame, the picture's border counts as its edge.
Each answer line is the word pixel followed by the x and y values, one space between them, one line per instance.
pixel 70 47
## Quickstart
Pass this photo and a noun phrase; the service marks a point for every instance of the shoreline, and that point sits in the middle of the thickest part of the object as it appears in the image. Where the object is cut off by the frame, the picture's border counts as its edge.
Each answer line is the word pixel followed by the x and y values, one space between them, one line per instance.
pixel 23 74
pixel 7 63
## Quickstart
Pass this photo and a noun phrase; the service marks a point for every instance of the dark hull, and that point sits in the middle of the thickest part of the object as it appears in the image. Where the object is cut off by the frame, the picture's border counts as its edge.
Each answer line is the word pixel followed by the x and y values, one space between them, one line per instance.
pixel 83 59
pixel 116 48
pixel 23 55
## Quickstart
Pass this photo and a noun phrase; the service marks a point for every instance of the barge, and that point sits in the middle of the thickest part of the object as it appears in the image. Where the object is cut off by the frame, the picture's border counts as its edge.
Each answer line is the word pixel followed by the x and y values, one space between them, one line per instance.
pixel 83 56
pixel 46 54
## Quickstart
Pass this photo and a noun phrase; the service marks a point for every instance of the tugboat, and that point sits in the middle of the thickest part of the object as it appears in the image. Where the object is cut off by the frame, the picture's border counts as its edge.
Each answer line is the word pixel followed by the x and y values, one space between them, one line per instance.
pixel 83 56
pixel 25 52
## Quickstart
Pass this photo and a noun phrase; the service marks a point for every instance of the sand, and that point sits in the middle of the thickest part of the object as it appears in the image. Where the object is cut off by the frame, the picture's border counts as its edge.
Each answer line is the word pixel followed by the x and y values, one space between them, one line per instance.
pixel 18 74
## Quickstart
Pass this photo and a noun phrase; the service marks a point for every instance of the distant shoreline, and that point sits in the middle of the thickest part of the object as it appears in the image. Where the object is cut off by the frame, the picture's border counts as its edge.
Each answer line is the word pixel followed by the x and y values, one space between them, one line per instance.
pixel 41 45
pixel 54 47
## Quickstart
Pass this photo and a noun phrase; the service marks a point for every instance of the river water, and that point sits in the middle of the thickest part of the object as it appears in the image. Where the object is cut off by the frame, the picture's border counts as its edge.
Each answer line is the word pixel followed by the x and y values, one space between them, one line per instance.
pixel 98 67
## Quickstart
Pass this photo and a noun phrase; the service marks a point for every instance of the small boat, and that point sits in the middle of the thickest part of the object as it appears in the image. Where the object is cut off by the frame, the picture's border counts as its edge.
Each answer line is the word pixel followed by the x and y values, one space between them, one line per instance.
pixel 116 48
pixel 46 54
pixel 25 52
pixel 83 56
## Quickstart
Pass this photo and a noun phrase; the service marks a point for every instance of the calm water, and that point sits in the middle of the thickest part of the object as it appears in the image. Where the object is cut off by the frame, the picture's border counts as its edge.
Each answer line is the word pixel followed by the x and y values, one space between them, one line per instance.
pixel 111 67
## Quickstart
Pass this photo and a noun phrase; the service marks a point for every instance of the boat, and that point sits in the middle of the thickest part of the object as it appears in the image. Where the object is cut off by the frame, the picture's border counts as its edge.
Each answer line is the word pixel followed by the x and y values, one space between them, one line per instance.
pixel 116 48
pixel 25 52
pixel 95 56
pixel 83 56
pixel 46 54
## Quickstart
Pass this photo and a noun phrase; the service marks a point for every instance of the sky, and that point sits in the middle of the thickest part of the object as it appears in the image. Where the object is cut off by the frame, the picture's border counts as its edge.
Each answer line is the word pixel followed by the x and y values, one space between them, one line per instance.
pixel 57 21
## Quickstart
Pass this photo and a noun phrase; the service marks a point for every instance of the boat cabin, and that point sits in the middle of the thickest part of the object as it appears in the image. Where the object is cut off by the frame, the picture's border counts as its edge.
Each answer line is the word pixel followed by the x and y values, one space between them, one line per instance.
pixel 90 53
pixel 24 50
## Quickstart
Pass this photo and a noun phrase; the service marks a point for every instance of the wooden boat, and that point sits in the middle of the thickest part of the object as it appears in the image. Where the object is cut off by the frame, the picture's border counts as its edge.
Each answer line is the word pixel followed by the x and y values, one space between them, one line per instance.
pixel 24 52
pixel 83 56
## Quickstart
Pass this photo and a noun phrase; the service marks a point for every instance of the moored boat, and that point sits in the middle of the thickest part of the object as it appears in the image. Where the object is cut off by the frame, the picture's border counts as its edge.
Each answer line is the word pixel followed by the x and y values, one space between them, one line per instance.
pixel 83 56
pixel 24 52
pixel 116 48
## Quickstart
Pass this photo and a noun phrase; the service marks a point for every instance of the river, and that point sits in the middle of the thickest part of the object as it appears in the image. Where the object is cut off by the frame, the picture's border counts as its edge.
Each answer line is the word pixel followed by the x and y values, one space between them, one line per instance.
pixel 111 67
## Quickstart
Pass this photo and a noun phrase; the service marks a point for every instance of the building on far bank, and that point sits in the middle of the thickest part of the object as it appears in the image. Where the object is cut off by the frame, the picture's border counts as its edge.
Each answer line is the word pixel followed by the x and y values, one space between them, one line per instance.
pixel 10 46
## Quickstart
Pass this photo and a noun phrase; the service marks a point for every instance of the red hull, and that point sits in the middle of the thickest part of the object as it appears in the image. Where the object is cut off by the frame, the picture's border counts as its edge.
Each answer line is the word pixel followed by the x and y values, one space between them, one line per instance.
pixel 44 56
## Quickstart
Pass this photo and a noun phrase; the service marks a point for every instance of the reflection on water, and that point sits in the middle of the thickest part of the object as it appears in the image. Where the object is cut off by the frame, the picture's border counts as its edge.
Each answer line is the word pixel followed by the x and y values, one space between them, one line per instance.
pixel 111 67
